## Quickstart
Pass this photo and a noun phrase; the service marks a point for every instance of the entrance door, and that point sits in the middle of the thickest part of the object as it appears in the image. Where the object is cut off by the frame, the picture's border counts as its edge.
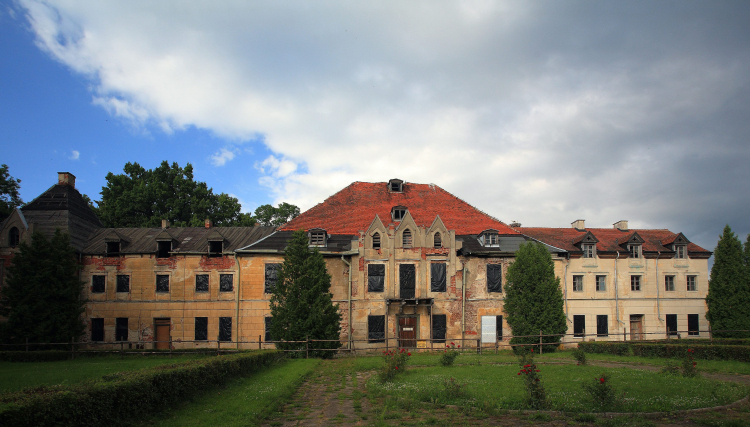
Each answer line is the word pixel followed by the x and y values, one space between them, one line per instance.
pixel 407 332
pixel 162 327
pixel 407 280
pixel 636 327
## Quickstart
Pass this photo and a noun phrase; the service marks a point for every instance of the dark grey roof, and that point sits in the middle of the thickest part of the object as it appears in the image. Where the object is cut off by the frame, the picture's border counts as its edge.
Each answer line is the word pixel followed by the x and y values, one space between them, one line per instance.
pixel 63 197
pixel 186 239
pixel 508 245
pixel 278 241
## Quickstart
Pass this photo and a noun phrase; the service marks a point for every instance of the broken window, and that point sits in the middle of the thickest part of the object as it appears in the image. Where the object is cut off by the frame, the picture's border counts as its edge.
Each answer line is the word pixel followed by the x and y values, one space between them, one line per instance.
pixel 671 324
pixel 113 248
pixel 680 251
pixel 588 251
pixel 162 283
pixel 14 237
pixel 375 278
pixel 225 329
pixel 201 328
pixel 579 325
pixel 226 283
pixel 123 283
pixel 693 324
pixel 215 248
pixel 272 271
pixel 318 238
pixel 201 283
pixel 376 328
pixel 577 283
pixel 601 283
pixel 490 239
pixel 98 284
pixel 437 277
pixel 692 283
pixel 635 283
pixel 439 328
pixel 669 283
pixel 635 251
pixel 97 329
pixel 438 241
pixel 395 185
pixel 406 238
pixel 494 278
pixel 269 322
pixel 376 241
pixel 398 213
pixel 163 249
pixel 121 329
pixel 602 325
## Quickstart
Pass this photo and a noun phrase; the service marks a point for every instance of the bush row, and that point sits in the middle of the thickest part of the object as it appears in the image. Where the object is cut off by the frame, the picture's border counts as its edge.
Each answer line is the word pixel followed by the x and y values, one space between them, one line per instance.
pixel 120 398
pixel 34 356
pixel 605 347
pixel 702 351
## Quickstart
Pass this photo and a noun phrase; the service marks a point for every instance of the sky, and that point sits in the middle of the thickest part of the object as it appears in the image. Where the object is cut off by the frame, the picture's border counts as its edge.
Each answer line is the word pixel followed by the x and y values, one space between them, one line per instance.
pixel 536 112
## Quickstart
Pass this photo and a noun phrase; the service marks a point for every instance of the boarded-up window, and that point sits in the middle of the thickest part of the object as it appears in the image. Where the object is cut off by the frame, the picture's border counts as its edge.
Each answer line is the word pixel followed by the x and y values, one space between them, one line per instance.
pixel 375 278
pixel 269 322
pixel 97 329
pixel 225 329
pixel 123 283
pixel 406 238
pixel 317 238
pixel 376 241
pixel 201 283
pixel 693 328
pixel 579 325
pixel 97 284
pixel 201 328
pixel 226 283
pixel 376 328
pixel 439 328
pixel 489 328
pixel 162 283
pixel 272 271
pixel 437 277
pixel 494 278
pixel 602 325
pixel 671 324
pixel 407 280
pixel 121 329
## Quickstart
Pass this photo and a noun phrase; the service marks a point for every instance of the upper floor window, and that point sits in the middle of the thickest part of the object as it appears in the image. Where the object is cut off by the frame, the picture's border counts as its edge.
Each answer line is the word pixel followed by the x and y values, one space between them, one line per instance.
pixel 577 283
pixel 635 251
pixel 406 238
pixel 680 251
pixel 318 238
pixel 438 241
pixel 395 186
pixel 376 241
pixel 635 283
pixel 669 283
pixel 601 283
pixel 691 283
pixel 398 213
pixel 589 251
pixel 163 249
pixel 113 248
pixel 215 247
pixel 14 237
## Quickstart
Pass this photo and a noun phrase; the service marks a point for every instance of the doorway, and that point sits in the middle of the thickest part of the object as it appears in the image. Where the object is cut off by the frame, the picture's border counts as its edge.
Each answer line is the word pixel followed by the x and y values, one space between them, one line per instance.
pixel 407 332
pixel 636 327
pixel 162 327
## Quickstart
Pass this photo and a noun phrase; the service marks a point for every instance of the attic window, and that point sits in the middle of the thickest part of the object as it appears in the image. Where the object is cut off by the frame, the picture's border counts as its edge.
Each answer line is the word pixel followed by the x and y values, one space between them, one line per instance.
pixel 376 241
pixel 215 248
pixel 407 239
pixel 14 237
pixel 635 251
pixel 490 239
pixel 163 249
pixel 588 250
pixel 396 186
pixel 318 238
pixel 398 213
pixel 438 241
pixel 680 251
pixel 113 248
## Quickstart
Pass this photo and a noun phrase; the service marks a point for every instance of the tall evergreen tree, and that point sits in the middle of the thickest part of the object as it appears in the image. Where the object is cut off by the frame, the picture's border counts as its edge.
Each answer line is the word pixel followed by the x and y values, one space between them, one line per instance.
pixel 728 298
pixel 533 299
pixel 42 299
pixel 301 304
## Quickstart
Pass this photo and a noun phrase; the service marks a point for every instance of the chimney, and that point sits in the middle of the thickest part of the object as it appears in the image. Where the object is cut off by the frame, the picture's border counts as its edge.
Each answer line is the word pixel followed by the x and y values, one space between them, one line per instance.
pixel 578 224
pixel 66 178
pixel 165 223
pixel 621 225
pixel 208 223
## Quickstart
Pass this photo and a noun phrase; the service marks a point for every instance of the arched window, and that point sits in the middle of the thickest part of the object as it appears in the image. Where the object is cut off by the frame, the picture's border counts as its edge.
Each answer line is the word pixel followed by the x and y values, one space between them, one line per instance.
pixel 14 237
pixel 407 239
pixel 438 241
pixel 376 241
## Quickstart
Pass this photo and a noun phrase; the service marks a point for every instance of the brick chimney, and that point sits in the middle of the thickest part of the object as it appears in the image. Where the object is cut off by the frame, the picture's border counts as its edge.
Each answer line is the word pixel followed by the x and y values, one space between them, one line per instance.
pixel 66 178
pixel 208 223
pixel 165 223
pixel 621 225
pixel 578 224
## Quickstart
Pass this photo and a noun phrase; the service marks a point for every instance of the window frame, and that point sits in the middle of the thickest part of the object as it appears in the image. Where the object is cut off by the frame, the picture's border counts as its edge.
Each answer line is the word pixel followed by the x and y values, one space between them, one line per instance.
pixel 437 240
pixel 162 291
pixel 94 286
pixel 599 323
pixel 208 283
pixel 213 250
pixel 222 287
pixel 370 330
pixel 680 251
pixel 161 252
pixel 118 287
pixel 97 326
pixel 119 329
pixel 376 240
pixel 268 288
pixel 435 339
pixel 589 250
pixel 442 286
pixel 635 283
pixel 317 239
pixel 578 287
pixel 499 269
pixel 579 325
pixel 669 283
pixel 407 239
pixel 267 324
pixel 109 246
pixel 370 270
pixel 602 288
pixel 635 251
pixel 203 329
pixel 671 320
pixel 694 279
pixel 398 213
pixel 693 320
pixel 224 323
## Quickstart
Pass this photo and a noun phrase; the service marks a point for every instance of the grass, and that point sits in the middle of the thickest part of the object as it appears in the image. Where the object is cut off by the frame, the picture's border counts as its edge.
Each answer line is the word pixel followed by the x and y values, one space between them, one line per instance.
pixel 245 401
pixel 17 376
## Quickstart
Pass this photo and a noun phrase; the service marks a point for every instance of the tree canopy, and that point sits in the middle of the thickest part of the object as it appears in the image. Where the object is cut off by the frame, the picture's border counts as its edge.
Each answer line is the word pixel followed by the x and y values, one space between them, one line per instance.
pixel 301 304
pixel 42 297
pixel 533 299
pixel 9 197
pixel 268 215
pixel 728 298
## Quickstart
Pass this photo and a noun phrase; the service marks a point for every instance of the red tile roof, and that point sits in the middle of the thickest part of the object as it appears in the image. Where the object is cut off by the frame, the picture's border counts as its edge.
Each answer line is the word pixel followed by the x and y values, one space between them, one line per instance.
pixel 354 208
pixel 565 238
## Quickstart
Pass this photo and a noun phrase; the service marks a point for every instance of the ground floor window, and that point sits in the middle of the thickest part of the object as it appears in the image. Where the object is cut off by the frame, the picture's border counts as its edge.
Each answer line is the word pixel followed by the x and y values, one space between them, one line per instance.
pixel 602 325
pixel 579 325
pixel 376 328
pixel 201 328
pixel 693 324
pixel 97 329
pixel 225 329
pixel 121 329
pixel 671 324
pixel 269 322
pixel 438 328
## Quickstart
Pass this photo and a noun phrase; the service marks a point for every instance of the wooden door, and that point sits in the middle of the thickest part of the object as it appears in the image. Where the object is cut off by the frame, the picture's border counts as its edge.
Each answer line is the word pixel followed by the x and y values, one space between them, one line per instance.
pixel 636 327
pixel 407 332
pixel 407 280
pixel 162 327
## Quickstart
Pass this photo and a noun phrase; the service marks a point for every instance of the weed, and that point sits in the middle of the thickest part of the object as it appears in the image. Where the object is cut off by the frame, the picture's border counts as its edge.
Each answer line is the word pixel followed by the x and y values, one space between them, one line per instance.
pixel 585 418
pixel 453 389
pixel 602 393
pixel 671 368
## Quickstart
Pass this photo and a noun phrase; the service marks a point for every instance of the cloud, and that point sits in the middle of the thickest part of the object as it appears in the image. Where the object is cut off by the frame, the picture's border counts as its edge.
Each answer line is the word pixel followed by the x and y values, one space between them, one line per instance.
pixel 221 157
pixel 74 155
pixel 541 112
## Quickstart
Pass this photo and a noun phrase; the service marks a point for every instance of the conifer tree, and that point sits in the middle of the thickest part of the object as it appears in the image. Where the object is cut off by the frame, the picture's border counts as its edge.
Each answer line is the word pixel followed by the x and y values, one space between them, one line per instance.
pixel 42 299
pixel 728 298
pixel 301 304
pixel 533 300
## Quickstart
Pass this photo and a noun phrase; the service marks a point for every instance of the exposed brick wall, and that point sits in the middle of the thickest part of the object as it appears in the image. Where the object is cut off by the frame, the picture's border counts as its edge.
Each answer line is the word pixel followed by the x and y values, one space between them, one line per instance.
pixel 216 263
pixel 101 262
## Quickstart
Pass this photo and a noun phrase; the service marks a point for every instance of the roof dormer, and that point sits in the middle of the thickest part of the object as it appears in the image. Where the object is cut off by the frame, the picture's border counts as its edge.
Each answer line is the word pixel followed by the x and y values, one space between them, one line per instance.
pixel 215 243
pixel 318 237
pixel 396 185
pixel 113 242
pixel 398 213
pixel 489 238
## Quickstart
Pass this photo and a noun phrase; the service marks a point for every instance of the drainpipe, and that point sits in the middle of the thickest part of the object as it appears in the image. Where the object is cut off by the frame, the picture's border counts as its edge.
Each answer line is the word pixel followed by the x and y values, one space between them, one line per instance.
pixel 237 298
pixel 350 300
pixel 565 288
pixel 617 305
pixel 658 309
pixel 463 305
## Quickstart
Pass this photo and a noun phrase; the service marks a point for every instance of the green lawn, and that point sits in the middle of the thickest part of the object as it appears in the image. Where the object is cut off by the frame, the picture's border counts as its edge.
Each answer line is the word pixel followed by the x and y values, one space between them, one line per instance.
pixel 246 401
pixel 17 376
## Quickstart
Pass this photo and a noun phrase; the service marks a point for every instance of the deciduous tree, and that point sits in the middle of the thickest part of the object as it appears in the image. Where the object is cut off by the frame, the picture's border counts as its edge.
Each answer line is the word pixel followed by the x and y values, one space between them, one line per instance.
pixel 728 298
pixel 9 187
pixel 268 215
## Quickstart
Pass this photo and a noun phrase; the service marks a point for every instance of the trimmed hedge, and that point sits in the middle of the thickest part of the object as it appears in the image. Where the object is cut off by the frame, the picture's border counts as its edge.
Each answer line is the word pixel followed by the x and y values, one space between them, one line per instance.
pixel 122 397
pixel 704 352
pixel 605 347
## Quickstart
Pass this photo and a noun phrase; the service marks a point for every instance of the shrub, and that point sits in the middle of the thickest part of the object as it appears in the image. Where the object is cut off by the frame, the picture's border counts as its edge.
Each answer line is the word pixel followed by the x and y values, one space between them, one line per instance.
pixel 580 356
pixel 536 397
pixel 688 365
pixel 449 354
pixel 395 363
pixel 602 393
pixel 454 389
